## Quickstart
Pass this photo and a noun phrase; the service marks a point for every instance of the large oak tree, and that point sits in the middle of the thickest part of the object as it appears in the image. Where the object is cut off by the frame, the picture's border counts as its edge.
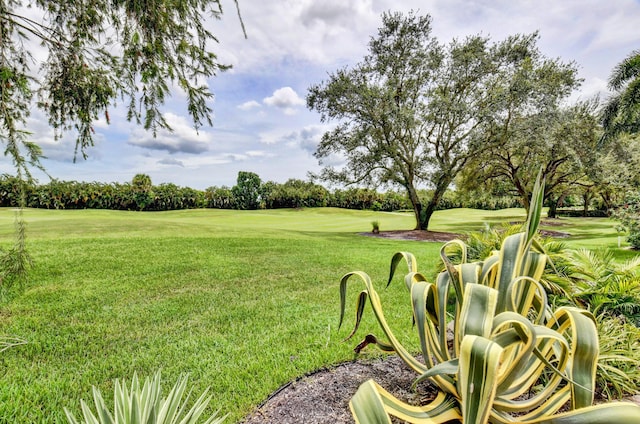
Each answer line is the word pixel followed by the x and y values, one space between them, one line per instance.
pixel 560 143
pixel 414 111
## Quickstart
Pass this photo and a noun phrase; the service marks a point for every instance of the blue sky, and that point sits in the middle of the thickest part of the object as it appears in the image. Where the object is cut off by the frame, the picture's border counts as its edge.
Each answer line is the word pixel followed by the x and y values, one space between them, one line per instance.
pixel 261 123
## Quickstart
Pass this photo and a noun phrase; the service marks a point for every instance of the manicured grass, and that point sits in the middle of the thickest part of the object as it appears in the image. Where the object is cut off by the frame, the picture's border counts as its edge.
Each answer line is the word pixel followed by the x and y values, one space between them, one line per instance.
pixel 242 301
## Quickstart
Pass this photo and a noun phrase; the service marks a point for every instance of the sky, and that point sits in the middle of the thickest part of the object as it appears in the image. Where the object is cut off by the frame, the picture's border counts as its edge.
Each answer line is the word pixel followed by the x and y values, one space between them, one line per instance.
pixel 261 123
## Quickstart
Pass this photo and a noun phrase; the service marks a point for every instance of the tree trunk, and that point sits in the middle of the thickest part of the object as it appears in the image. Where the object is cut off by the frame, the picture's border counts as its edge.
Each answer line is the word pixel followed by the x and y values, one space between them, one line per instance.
pixel 586 200
pixel 553 208
pixel 441 187
pixel 428 213
pixel 415 203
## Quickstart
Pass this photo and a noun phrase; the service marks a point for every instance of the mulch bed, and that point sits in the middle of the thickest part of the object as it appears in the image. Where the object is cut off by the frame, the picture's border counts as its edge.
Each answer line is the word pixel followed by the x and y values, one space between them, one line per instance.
pixel 416 235
pixel 323 397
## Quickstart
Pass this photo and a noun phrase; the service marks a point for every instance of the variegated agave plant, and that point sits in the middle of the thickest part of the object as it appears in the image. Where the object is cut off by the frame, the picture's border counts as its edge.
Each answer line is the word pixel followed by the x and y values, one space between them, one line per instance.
pixel 146 405
pixel 512 360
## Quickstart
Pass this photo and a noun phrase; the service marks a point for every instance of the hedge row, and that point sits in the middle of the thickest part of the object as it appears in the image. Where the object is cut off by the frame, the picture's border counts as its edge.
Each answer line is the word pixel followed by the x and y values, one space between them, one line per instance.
pixel 249 193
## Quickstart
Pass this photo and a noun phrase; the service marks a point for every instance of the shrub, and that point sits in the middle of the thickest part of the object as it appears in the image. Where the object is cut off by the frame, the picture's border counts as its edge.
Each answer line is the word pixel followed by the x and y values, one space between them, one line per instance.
pixel 219 198
pixel 146 405
pixel 375 227
pixel 619 361
pixel 246 192
pixel 511 357
pixel 601 284
pixel 629 217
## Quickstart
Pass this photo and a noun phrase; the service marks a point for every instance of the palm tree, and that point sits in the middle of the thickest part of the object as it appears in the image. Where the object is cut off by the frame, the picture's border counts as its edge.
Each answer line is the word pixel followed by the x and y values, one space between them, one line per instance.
pixel 622 112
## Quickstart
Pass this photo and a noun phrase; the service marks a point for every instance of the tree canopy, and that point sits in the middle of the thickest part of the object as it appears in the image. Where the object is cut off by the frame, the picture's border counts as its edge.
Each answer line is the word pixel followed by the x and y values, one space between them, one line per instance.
pixel 98 52
pixel 560 142
pixel 622 111
pixel 415 111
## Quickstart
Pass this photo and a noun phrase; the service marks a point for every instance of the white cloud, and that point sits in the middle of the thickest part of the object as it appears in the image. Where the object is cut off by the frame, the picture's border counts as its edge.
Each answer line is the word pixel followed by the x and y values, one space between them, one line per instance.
pixel 184 138
pixel 286 99
pixel 252 104
pixel 258 154
pixel 315 31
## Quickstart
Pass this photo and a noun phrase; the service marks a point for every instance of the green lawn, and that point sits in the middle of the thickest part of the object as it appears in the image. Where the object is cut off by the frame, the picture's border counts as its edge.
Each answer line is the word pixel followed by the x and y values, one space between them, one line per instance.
pixel 242 301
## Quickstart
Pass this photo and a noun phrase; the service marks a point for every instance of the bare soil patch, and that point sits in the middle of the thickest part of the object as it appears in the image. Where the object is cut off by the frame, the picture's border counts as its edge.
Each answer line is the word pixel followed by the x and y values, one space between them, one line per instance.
pixel 323 397
pixel 441 237
pixel 417 235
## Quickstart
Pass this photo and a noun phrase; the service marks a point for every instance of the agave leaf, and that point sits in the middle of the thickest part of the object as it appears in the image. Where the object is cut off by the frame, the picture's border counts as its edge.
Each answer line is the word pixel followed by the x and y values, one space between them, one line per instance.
pixel 360 304
pixel 547 408
pixel 367 406
pixel 516 335
pixel 618 413
pixel 535 209
pixel 510 268
pixel 395 260
pixel 527 295
pixel 478 377
pixel 413 277
pixel 584 352
pixel 441 371
pixel 343 297
pixel 88 415
pixel 101 407
pixel 374 301
pixel 432 348
pixel 470 273
pixel 419 296
pixel 452 269
pixel 478 309
pixel 443 282
pixel 372 405
pixel 489 270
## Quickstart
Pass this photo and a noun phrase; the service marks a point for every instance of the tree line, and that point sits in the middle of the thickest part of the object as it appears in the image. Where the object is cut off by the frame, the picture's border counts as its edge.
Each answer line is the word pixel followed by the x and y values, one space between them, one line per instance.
pixel 249 192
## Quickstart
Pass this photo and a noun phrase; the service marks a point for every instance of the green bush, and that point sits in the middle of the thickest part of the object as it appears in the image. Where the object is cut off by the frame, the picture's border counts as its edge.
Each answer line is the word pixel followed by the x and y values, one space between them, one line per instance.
pixel 618 372
pixel 247 191
pixel 629 217
pixel 602 284
pixel 219 198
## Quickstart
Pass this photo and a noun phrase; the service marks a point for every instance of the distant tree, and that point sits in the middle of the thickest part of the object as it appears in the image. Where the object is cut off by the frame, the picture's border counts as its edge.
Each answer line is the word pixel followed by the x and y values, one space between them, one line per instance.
pixel 294 193
pixel 98 52
pixel 615 172
pixel 142 190
pixel 219 198
pixel 247 191
pixel 142 183
pixel 562 142
pixel 414 111
pixel 622 112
